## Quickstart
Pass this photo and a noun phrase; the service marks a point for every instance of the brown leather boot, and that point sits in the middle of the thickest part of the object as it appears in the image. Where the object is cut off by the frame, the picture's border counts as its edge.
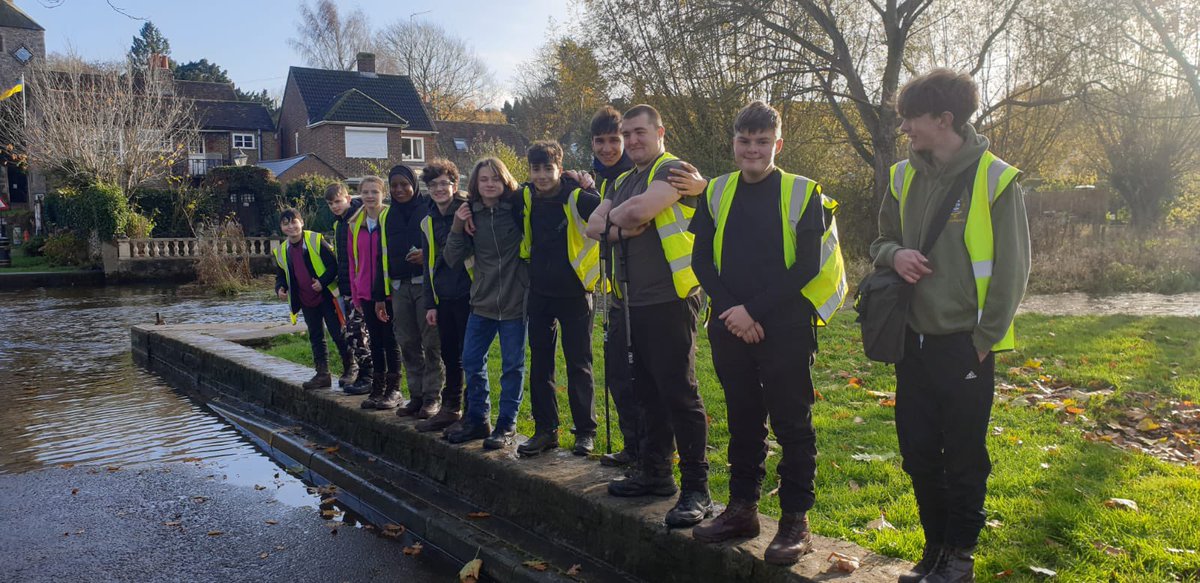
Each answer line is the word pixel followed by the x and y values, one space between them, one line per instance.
pixel 446 417
pixel 349 371
pixel 377 390
pixel 791 542
pixel 321 380
pixel 739 520
pixel 411 408
pixel 429 408
pixel 391 393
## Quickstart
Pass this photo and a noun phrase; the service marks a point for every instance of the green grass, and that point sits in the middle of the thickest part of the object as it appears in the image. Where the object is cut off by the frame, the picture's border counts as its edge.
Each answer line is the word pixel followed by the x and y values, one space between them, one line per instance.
pixel 22 263
pixel 1051 517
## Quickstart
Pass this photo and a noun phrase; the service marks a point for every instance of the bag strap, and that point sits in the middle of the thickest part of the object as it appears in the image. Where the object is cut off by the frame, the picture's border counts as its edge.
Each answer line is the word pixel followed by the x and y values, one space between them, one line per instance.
pixel 961 183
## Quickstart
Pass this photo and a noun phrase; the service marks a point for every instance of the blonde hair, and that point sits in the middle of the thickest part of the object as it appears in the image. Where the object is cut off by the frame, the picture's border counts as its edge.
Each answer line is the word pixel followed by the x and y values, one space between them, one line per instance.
pixel 382 185
pixel 497 166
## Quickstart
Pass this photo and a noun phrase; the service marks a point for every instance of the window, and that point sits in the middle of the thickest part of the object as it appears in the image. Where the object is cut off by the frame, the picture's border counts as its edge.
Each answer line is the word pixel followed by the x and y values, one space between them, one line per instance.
pixel 196 145
pixel 366 143
pixel 460 144
pixel 414 149
pixel 243 141
pixel 23 55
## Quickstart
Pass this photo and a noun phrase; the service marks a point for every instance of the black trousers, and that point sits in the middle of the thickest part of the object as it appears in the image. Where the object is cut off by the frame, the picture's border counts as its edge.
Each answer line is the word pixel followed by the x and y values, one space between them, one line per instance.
pixel 943 403
pixel 769 379
pixel 318 319
pixel 620 381
pixel 574 315
pixel 385 353
pixel 452 331
pixel 664 380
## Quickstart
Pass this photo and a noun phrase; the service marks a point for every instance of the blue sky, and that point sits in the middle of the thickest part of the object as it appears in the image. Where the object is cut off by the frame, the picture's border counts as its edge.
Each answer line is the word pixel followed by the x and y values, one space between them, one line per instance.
pixel 249 37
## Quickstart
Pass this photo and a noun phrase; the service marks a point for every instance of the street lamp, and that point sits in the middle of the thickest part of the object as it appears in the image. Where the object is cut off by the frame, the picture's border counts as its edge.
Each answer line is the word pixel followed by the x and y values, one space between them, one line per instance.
pixel 240 158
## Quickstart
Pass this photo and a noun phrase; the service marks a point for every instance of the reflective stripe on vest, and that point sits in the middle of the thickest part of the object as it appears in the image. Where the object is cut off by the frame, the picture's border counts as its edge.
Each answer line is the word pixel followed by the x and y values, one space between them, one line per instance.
pixel 991 180
pixel 431 256
pixel 827 290
pixel 672 227
pixel 583 252
pixel 312 240
pixel 355 227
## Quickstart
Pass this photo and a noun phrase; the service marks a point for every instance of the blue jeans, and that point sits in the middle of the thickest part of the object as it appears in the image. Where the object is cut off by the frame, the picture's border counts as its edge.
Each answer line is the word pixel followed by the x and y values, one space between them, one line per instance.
pixel 480 334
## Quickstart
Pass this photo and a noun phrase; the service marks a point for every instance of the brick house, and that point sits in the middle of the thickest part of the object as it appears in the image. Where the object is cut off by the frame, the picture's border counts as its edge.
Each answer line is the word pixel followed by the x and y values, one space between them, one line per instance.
pixel 228 127
pixel 356 122
pixel 22 41
pixel 459 141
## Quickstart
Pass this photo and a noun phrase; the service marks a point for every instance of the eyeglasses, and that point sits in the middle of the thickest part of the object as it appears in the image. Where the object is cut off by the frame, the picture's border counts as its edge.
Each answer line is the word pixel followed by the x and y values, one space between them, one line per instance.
pixel 441 184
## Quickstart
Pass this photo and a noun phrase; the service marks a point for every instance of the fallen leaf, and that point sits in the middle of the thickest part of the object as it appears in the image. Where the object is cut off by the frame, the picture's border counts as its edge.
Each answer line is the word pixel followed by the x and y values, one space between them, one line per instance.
pixel 1147 424
pixel 854 487
pixel 1072 409
pixel 859 421
pixel 333 449
pixel 1121 503
pixel 478 515
pixel 74 491
pixel 855 382
pixel 113 468
pixel 330 501
pixel 1043 571
pixel 279 547
pixel 843 563
pixel 470 571
pixel 1034 363
pixel 329 513
pixel 392 530
pixel 257 487
pixel 873 457
pixel 66 466
pixel 172 523
pixel 215 533
pixel 199 499
pixel 994 524
pixel 263 555
pixel 887 403
pixel 188 460
pixel 272 521
pixel 881 523
pixel 536 565
pixel 1108 549
pixel 1003 574
pixel 574 570
pixel 414 550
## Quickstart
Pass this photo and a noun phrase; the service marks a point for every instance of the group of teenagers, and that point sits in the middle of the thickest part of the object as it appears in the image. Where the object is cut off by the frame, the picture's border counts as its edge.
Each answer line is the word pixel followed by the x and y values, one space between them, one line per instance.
pixel 431 279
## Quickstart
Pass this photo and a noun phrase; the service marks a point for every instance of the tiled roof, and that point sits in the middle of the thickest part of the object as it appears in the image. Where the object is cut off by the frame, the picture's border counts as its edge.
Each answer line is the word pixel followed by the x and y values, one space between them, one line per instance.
pixel 13 17
pixel 321 88
pixel 205 90
pixel 233 115
pixel 355 106
pixel 453 135
pixel 279 167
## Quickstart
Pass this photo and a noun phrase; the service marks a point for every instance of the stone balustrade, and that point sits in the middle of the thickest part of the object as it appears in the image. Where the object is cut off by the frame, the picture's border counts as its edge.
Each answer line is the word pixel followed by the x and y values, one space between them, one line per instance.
pixel 190 248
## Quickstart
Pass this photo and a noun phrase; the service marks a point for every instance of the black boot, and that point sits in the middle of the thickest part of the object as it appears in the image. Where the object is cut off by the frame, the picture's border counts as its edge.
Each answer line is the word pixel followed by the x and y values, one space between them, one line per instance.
pixel 638 483
pixel 692 507
pixel 954 565
pixel 500 438
pixel 584 444
pixel 621 459
pixel 412 407
pixel 469 431
pixel 377 390
pixel 391 393
pixel 349 371
pixel 541 441
pixel 929 558
pixel 361 385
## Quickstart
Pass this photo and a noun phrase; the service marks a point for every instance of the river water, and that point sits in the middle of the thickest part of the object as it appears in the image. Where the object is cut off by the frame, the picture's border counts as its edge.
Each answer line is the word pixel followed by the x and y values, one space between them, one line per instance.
pixel 71 394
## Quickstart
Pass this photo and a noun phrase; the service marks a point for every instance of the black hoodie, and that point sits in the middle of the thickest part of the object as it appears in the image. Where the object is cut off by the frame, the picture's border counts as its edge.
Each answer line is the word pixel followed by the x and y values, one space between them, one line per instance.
pixel 341 243
pixel 451 283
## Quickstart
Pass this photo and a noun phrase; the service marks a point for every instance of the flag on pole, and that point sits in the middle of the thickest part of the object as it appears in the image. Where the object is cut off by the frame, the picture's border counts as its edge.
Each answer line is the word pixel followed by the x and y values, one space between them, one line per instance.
pixel 19 87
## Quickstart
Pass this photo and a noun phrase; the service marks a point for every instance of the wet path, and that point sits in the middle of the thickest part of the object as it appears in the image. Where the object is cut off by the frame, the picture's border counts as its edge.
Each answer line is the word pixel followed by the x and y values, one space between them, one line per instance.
pixel 78 414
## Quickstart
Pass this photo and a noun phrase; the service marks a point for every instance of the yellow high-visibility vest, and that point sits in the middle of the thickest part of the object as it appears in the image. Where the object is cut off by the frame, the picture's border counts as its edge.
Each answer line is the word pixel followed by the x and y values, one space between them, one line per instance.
pixel 312 240
pixel 672 226
pixel 827 290
pixel 431 255
pixel 583 252
pixel 991 180
pixel 355 227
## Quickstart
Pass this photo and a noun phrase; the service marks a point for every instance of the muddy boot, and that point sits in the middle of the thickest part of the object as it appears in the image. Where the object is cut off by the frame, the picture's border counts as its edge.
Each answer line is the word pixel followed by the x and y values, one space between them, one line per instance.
pixel 349 371
pixel 638 483
pixel 791 542
pixel 621 459
pixel 377 390
pixel 929 558
pixel 739 520
pixel 429 408
pixel 321 380
pixel 541 441
pixel 954 565
pixel 391 393
pixel 411 408
pixel 446 416
pixel 692 507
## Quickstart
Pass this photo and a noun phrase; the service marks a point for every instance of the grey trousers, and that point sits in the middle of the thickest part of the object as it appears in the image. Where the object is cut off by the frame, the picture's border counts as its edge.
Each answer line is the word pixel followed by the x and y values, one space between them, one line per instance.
pixel 420 346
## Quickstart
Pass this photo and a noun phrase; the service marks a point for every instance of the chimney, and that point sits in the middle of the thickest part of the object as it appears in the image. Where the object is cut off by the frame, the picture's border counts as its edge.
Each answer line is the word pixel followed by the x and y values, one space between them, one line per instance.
pixel 366 64
pixel 158 61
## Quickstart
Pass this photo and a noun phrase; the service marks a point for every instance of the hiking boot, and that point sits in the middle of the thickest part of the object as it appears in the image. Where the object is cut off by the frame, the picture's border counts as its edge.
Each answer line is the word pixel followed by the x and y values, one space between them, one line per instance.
pixel 692 507
pixel 410 408
pixel 929 558
pixel 321 380
pixel 361 386
pixel 620 459
pixel 637 483
pixel 954 565
pixel 541 441
pixel 377 390
pixel 500 438
pixel 739 520
pixel 429 409
pixel 584 444
pixel 391 393
pixel 349 371
pixel 445 417
pixel 791 542
pixel 468 431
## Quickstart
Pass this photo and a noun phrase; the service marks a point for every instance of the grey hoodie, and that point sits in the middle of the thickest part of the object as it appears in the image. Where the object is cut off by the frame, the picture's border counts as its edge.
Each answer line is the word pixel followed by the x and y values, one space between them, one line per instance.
pixel 501 276
pixel 944 301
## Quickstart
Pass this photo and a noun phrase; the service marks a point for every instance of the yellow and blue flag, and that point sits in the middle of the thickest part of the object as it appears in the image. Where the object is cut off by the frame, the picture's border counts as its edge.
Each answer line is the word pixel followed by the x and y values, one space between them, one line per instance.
pixel 19 87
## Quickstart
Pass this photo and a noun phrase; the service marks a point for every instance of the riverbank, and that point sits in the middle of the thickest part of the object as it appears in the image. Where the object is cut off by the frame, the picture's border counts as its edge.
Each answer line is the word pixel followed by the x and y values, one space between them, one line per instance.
pixel 1049 483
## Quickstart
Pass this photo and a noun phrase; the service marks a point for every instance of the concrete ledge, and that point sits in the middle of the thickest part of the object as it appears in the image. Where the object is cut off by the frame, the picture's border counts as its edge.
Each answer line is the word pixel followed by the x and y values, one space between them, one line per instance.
pixel 556 495
pixel 32 279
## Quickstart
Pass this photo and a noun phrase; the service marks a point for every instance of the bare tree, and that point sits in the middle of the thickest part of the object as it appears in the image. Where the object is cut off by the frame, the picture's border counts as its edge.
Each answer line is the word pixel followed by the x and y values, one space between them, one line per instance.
pixel 326 40
pixel 1176 28
pixel 450 76
pixel 106 123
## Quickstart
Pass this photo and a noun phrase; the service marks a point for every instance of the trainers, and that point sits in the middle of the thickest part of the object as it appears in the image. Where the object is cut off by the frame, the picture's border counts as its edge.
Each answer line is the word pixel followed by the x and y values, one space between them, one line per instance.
pixel 929 558
pixel 954 565
pixel 444 418
pixel 791 541
pixel 541 441
pixel 620 459
pixel 637 483
pixel 429 409
pixel 692 507
pixel 584 444
pixel 739 520
pixel 469 431
pixel 500 438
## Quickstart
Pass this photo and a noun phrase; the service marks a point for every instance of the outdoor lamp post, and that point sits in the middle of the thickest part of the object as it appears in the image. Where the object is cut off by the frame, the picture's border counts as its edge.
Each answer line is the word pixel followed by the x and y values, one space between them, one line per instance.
pixel 240 158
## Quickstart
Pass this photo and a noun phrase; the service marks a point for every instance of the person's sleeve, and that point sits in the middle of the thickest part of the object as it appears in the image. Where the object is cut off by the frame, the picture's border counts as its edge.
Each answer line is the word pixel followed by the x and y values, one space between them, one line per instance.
pixel 1010 268
pixel 280 278
pixel 329 257
pixel 702 259
pixel 784 294
pixel 589 199
pixel 379 290
pixel 890 240
pixel 664 171
pixel 458 248
pixel 427 289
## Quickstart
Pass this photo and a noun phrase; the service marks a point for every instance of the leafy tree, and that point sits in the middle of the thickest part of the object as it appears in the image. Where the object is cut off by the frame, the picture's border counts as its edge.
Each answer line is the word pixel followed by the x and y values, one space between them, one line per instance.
pixel 149 41
pixel 558 91
pixel 202 70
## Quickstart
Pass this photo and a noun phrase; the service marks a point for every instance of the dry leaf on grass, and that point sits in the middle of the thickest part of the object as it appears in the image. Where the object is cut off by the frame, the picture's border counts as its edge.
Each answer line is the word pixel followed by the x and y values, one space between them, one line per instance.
pixel 1043 571
pixel 1003 574
pixel 873 457
pixel 881 523
pixel 1121 503
pixel 843 563
pixel 1108 549
pixel 470 571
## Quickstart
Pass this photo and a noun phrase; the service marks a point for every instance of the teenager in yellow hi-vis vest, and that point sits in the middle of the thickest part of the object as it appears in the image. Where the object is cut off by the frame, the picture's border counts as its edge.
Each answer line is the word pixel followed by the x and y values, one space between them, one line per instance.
pixel 646 219
pixel 306 273
pixel 767 254
pixel 965 297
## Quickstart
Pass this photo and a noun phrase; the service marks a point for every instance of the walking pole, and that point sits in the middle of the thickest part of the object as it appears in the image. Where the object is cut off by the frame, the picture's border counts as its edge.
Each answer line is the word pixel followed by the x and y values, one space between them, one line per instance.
pixel 605 265
pixel 624 244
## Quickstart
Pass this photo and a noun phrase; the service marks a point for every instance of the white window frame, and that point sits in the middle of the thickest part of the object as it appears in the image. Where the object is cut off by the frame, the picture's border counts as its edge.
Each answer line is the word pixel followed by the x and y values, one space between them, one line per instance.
pixel 461 144
pixel 373 151
pixel 408 143
pixel 248 141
